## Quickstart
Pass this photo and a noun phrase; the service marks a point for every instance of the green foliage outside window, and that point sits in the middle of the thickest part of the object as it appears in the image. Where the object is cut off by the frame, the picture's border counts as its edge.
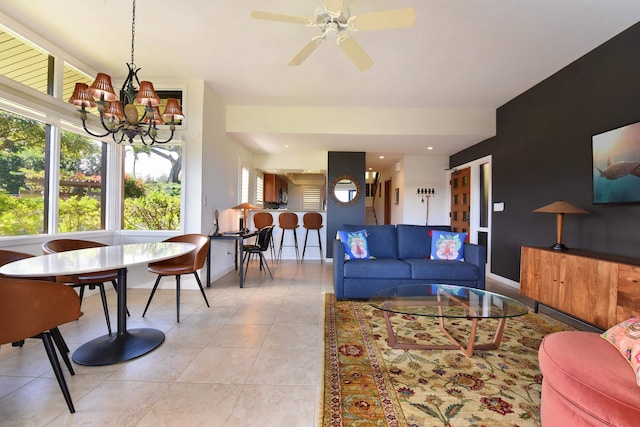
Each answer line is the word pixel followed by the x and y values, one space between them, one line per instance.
pixel 20 216
pixel 156 211
pixel 148 205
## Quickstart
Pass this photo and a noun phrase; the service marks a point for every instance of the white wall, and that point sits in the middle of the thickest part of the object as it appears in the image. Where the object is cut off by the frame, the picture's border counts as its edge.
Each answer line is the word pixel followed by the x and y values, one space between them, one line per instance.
pixel 409 174
pixel 308 161
pixel 425 172
pixel 220 158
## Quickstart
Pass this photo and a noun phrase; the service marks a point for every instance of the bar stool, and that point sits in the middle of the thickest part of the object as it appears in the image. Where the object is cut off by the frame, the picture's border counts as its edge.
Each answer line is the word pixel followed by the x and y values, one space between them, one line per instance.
pixel 262 220
pixel 288 221
pixel 312 221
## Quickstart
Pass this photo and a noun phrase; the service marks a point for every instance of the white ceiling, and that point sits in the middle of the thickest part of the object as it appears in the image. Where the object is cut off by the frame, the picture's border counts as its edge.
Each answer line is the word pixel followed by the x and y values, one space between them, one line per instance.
pixel 461 54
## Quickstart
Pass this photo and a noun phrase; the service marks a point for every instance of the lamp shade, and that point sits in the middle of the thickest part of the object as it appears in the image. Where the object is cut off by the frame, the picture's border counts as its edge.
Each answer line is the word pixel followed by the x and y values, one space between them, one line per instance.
pixel 561 207
pixel 172 111
pixel 244 206
pixel 156 119
pixel 81 97
pixel 102 88
pixel 114 111
pixel 147 94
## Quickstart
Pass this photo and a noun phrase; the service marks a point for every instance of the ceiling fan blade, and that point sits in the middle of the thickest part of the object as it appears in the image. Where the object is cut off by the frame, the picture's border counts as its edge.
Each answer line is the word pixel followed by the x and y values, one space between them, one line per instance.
pixel 383 20
pixel 333 7
pixel 356 54
pixel 306 51
pixel 279 17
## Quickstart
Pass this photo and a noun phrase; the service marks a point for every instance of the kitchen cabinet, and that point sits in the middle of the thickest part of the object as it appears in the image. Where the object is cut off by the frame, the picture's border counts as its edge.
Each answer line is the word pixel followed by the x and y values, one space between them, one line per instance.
pixel 599 289
pixel 275 188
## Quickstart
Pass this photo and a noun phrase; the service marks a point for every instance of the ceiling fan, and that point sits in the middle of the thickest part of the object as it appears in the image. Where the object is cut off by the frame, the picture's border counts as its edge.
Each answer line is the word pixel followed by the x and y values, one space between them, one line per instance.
pixel 333 19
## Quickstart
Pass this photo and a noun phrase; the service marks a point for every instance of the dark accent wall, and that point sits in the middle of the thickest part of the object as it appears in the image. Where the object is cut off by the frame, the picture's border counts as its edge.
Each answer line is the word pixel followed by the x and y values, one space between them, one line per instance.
pixel 542 153
pixel 340 163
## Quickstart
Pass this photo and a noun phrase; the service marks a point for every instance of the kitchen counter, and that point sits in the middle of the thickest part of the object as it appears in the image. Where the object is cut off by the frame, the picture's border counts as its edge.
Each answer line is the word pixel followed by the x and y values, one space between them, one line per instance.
pixel 289 210
pixel 288 252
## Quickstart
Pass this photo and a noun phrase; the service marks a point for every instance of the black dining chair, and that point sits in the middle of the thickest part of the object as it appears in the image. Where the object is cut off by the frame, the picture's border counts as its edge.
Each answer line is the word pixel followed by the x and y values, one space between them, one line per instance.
pixel 262 220
pixel 262 244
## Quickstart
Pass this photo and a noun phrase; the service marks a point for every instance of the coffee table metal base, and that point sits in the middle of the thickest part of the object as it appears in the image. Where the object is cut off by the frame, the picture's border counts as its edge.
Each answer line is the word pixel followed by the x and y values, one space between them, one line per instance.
pixel 457 345
pixel 118 347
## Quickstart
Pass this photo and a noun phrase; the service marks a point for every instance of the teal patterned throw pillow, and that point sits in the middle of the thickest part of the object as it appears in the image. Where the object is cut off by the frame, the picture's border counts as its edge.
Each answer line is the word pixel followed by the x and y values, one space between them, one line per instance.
pixel 355 244
pixel 447 245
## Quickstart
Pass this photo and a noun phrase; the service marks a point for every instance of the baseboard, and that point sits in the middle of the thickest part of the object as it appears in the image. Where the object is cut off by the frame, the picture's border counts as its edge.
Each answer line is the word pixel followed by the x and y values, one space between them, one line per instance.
pixel 503 280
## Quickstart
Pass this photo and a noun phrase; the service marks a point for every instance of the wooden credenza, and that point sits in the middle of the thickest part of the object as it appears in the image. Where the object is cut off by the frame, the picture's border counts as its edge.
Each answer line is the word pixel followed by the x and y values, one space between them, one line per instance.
pixel 600 289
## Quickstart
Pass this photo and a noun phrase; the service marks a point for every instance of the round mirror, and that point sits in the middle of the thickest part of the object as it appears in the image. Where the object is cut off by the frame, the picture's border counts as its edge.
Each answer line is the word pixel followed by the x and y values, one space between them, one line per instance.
pixel 345 190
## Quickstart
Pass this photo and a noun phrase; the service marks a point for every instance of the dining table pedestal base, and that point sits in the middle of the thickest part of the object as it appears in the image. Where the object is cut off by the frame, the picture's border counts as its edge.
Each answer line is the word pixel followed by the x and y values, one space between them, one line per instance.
pixel 119 347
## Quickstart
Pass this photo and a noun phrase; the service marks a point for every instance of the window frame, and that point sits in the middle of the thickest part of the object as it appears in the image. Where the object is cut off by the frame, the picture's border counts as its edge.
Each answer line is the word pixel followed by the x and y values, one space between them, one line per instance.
pixel 57 114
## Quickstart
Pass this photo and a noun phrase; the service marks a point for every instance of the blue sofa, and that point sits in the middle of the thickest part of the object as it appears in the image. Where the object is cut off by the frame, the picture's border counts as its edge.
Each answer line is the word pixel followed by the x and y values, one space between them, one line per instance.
pixel 402 256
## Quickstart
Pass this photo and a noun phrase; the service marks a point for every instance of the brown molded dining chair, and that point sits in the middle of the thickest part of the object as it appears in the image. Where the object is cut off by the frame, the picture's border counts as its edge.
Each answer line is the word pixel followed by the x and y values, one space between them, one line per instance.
pixel 262 220
pixel 91 280
pixel 262 244
pixel 312 221
pixel 288 221
pixel 7 257
pixel 35 309
pixel 183 264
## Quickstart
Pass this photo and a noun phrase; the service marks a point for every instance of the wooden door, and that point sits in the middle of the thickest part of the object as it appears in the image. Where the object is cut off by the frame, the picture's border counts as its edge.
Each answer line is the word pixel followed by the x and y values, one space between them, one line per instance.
pixel 460 200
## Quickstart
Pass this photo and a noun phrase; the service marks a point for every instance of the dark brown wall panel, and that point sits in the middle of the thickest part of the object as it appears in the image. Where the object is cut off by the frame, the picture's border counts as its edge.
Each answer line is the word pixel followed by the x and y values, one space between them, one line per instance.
pixel 542 153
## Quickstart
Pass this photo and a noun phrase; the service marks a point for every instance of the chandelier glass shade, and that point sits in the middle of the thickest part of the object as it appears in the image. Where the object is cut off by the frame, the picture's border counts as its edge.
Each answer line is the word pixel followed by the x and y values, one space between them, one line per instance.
pixel 126 122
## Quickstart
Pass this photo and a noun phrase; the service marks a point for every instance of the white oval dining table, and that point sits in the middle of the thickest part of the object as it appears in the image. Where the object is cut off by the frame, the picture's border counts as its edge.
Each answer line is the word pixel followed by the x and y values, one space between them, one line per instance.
pixel 125 344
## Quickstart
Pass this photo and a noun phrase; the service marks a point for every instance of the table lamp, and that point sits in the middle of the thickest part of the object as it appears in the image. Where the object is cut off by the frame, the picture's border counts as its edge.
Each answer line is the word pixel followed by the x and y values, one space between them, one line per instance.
pixel 560 208
pixel 245 212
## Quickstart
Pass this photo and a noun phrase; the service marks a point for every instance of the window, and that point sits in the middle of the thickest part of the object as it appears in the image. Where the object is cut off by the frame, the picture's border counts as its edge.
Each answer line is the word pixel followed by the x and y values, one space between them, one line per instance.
pixel 152 187
pixel 244 190
pixel 311 198
pixel 24 63
pixel 260 190
pixel 152 183
pixel 22 172
pixel 80 198
pixel 24 204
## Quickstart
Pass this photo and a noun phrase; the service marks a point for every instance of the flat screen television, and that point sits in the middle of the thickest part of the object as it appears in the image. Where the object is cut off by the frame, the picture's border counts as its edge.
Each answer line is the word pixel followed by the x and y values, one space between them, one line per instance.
pixel 616 165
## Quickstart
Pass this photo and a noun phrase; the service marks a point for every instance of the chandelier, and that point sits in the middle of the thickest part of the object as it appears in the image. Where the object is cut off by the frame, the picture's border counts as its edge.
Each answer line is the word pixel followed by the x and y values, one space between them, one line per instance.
pixel 125 123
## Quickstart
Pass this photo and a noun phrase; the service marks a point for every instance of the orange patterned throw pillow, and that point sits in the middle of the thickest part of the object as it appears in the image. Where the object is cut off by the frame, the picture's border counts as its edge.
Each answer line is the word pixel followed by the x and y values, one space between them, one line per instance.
pixel 625 336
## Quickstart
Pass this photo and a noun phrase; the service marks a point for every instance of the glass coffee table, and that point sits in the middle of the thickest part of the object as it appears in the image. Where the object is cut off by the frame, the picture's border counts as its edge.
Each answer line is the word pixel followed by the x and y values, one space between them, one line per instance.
pixel 447 302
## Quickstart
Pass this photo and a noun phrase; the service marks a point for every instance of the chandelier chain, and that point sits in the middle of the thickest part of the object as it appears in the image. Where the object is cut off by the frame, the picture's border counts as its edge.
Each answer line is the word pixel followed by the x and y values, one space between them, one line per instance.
pixel 133 32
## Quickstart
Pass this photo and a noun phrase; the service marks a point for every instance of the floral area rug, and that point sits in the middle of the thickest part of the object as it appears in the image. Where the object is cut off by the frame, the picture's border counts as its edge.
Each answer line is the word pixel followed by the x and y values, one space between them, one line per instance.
pixel 367 383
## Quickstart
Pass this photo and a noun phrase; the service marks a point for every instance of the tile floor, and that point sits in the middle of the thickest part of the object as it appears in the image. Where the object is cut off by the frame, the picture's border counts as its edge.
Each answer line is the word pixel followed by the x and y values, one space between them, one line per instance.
pixel 252 359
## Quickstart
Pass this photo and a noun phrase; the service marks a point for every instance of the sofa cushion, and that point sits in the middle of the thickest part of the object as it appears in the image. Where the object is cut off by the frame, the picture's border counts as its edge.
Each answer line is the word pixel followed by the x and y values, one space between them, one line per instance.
pixel 381 239
pixel 379 268
pixel 355 244
pixel 447 245
pixel 445 270
pixel 414 241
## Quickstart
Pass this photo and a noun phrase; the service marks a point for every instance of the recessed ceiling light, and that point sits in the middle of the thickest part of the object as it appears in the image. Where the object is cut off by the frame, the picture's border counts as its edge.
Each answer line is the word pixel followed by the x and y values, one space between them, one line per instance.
pixel 381 157
pixel 429 148
pixel 370 169
pixel 286 146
